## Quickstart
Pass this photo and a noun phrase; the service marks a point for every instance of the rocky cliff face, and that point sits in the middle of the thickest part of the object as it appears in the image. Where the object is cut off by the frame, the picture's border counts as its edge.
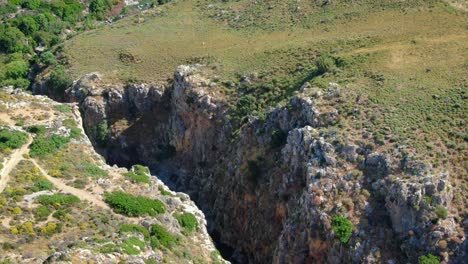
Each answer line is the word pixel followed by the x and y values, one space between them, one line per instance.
pixel 90 230
pixel 272 190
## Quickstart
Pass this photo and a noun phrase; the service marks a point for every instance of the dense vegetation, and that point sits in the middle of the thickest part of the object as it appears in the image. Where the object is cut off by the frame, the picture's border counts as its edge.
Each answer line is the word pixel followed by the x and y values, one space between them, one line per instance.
pixel 159 236
pixel 44 145
pixel 188 221
pixel 10 139
pixel 130 205
pixel 31 30
pixel 429 259
pixel 57 199
pixel 133 228
pixel 343 228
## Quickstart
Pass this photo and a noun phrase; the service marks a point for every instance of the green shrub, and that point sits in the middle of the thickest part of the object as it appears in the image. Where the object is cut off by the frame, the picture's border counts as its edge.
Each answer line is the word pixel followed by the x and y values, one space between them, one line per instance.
pixel 27 25
pixel 47 58
pixel 441 212
pixel 428 200
pixel 20 83
pixel 188 221
pixel 41 145
pixel 58 199
pixel 12 139
pixel 42 212
pixel 343 228
pixel 37 129
pixel 140 174
pixel 159 236
pixel 95 171
pixel 130 246
pixel 246 105
pixel 31 4
pixel 12 40
pixel 60 214
pixel 130 205
pixel 16 69
pixel 133 228
pixel 325 63
pixel 63 108
pixel 108 248
pixel 99 8
pixel 43 185
pixel 102 132
pixel 429 259
pixel 68 10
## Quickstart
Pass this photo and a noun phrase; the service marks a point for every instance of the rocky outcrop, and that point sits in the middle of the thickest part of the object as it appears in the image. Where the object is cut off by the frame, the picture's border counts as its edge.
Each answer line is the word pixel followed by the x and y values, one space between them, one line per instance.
pixel 275 202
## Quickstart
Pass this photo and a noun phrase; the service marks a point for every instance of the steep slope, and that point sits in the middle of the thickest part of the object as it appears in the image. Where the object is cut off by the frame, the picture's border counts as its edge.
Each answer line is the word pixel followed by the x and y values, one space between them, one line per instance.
pixel 63 204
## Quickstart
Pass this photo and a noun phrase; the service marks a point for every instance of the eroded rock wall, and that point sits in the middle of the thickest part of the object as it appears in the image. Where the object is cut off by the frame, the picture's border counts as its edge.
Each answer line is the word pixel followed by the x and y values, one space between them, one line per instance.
pixel 275 202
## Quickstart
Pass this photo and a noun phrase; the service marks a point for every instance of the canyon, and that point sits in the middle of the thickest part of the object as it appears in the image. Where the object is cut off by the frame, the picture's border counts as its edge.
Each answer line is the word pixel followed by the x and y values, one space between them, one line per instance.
pixel 271 188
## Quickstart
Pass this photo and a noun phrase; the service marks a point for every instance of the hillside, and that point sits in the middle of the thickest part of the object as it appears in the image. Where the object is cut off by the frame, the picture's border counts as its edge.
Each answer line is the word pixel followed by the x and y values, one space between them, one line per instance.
pixel 323 131
pixel 59 201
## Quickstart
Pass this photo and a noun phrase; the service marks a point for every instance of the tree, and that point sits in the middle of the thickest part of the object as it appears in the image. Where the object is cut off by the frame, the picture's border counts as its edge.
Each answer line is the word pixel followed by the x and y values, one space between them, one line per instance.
pixel 12 40
pixel 31 4
pixel 16 69
pixel 27 25
pixel 100 7
pixel 47 58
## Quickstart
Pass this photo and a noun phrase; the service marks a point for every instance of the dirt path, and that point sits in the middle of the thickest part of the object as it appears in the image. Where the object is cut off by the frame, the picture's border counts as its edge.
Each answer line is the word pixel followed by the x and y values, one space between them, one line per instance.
pixel 10 164
pixel 82 194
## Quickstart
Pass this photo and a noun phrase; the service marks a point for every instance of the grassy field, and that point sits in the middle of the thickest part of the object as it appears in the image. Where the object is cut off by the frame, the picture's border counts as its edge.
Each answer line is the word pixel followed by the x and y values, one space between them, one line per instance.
pixel 185 32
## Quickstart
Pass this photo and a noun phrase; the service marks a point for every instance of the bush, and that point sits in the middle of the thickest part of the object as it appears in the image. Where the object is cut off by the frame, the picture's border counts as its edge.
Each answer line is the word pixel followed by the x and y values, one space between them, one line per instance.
pixel 42 146
pixel 441 212
pixel 58 199
pixel 343 228
pixel 12 39
pixel 159 236
pixel 31 4
pixel 95 171
pixel 16 69
pixel 12 139
pixel 27 25
pixel 133 228
pixel 47 58
pixel 140 174
pixel 43 185
pixel 42 212
pixel 102 132
pixel 68 10
pixel 59 81
pixel 130 246
pixel 60 214
pixel 130 205
pixel 37 129
pixel 99 8
pixel 429 259
pixel 20 83
pixel 325 64
pixel 188 221
pixel 246 105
